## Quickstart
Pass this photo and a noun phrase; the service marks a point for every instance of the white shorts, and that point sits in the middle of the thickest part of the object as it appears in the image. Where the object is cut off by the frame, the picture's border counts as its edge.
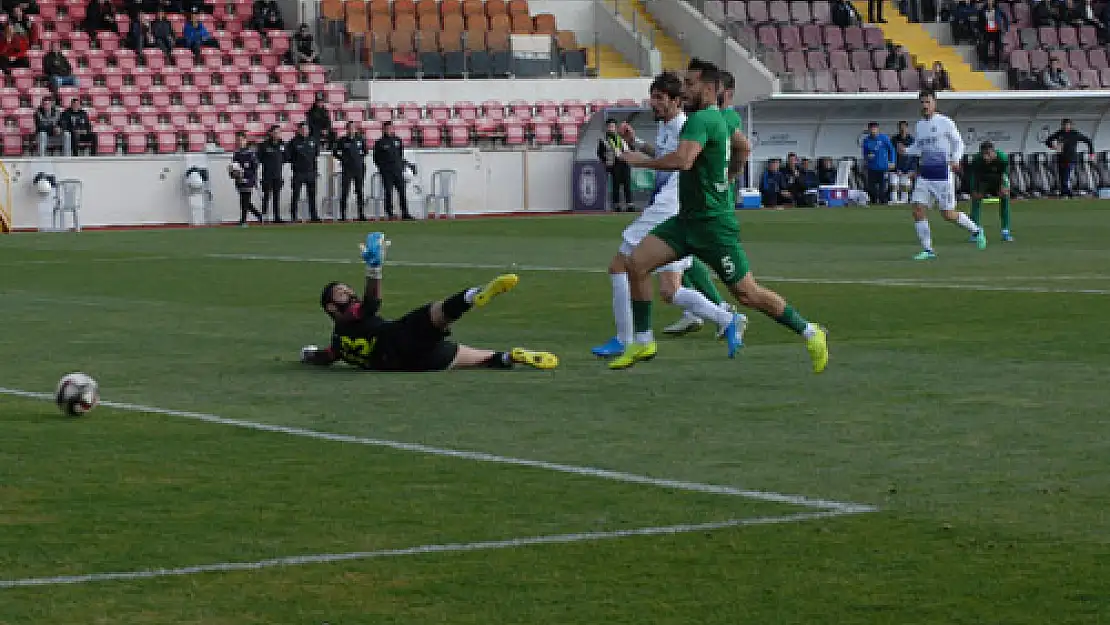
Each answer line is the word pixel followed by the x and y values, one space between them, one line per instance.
pixel 637 230
pixel 939 193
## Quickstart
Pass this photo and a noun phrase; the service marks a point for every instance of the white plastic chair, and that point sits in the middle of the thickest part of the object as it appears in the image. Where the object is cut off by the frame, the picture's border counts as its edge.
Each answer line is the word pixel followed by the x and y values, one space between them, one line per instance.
pixel 67 199
pixel 376 197
pixel 443 190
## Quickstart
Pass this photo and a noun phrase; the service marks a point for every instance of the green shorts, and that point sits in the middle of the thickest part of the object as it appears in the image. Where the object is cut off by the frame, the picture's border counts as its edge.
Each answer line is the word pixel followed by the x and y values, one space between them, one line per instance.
pixel 990 185
pixel 714 243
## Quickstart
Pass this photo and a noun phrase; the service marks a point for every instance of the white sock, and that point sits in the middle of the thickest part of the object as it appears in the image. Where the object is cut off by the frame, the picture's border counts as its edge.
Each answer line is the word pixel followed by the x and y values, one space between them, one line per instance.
pixel 810 331
pixel 965 222
pixel 470 294
pixel 923 235
pixel 645 337
pixel 694 302
pixel 622 306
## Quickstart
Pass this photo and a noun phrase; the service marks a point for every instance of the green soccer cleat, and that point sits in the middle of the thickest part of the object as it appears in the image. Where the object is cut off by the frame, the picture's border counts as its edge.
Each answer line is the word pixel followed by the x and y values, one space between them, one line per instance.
pixel 981 239
pixel 818 348
pixel 633 354
pixel 501 284
pixel 925 255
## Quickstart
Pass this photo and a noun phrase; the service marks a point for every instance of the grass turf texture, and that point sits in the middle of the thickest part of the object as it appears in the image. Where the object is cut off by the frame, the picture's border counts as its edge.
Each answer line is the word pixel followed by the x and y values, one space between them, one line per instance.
pixel 974 418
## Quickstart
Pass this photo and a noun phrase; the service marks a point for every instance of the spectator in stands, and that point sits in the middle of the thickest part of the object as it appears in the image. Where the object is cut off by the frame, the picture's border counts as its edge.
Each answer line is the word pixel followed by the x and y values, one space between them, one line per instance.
pixel 389 157
pixel 13 51
pixel 963 18
pixel 164 6
pixel 100 15
pixel 993 25
pixel 193 7
pixel 319 121
pixel 826 171
pixel 140 34
pixel 875 11
pixel 57 69
pixel 303 50
pixel 772 188
pixel 196 36
pixel 844 14
pixel 1104 24
pixel 939 81
pixel 301 153
pixel 896 58
pixel 271 158
pixel 1085 15
pixel 1054 76
pixel 162 30
pixel 879 156
pixel 75 121
pixel 609 149
pixel 48 125
pixel 1060 12
pixel 1042 13
pixel 28 7
pixel 22 25
pixel 266 15
pixel 1066 142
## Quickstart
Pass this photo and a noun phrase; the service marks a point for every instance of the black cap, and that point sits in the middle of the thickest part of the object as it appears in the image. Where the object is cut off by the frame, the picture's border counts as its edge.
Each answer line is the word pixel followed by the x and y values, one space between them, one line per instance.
pixel 872 124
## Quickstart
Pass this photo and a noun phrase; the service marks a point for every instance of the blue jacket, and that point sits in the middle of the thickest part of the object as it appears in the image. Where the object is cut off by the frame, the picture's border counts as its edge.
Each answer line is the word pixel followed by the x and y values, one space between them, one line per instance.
pixel 195 35
pixel 878 152
pixel 810 180
pixel 771 181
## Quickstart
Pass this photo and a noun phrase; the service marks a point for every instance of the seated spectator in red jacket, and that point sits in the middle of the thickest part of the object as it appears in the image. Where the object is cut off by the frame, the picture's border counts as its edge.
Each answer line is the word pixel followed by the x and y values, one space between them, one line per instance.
pixel 22 25
pixel 13 51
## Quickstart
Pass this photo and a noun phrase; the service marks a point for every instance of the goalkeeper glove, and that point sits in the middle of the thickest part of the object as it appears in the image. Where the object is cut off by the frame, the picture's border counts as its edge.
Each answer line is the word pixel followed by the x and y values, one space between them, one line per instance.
pixel 373 253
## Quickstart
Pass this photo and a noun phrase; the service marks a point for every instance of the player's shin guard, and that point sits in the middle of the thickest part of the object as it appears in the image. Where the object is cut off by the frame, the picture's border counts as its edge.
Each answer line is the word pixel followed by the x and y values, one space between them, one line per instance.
pixel 499 360
pixel 456 306
pixel 791 319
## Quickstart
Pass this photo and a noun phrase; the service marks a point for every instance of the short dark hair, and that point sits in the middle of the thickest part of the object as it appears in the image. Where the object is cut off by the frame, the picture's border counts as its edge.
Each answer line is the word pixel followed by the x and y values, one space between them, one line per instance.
pixel 273 128
pixel 610 121
pixel 387 124
pixel 791 154
pixel 325 295
pixel 709 72
pixel 1066 121
pixel 872 124
pixel 728 81
pixel 667 83
pixel 986 145
pixel 75 101
pixel 926 93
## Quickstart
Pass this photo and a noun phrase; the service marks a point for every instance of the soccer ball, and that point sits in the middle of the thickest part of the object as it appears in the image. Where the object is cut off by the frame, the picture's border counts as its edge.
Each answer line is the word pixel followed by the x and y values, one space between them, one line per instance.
pixel 77 394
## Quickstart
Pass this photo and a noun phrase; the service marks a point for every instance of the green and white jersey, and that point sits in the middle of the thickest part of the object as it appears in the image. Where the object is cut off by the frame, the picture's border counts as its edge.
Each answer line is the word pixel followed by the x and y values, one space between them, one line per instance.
pixel 703 190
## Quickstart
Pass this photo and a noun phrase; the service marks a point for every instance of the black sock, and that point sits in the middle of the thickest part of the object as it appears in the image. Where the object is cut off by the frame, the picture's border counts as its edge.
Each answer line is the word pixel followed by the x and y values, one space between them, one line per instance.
pixel 455 306
pixel 499 360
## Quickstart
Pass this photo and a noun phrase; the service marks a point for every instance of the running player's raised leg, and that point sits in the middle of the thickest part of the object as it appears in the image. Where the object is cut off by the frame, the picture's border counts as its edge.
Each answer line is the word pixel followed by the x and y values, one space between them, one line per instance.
pixel 470 357
pixel 694 303
pixel 653 252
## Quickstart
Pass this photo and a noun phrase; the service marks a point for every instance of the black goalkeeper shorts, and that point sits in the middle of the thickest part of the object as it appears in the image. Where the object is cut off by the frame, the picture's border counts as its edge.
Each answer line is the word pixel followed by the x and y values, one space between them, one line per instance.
pixel 419 345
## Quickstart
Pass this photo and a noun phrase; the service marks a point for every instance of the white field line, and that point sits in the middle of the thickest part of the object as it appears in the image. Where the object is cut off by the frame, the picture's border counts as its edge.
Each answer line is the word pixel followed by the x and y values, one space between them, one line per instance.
pixel 958 285
pixel 511 543
pixel 78 260
pixel 477 456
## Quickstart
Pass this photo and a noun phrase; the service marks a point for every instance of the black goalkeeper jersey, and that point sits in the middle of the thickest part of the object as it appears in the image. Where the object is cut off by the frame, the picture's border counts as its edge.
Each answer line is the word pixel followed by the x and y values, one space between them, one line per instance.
pixel 410 343
pixel 365 341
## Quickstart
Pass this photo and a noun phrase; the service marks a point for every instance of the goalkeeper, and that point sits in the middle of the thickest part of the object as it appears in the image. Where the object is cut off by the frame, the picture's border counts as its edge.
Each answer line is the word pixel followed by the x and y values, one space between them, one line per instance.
pixel 989 174
pixel 417 341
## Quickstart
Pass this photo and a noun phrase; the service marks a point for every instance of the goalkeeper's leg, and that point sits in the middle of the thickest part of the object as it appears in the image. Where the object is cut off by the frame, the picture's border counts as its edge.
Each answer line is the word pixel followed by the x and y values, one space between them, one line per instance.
pixel 469 357
pixel 445 312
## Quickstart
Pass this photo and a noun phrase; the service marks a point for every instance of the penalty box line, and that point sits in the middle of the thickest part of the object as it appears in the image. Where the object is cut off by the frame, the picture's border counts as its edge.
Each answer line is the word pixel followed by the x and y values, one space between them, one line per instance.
pixel 325 558
pixel 840 507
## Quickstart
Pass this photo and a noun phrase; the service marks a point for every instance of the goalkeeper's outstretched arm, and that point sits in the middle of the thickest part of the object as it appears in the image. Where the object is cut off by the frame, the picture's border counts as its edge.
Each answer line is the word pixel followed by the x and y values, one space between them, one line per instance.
pixel 373 254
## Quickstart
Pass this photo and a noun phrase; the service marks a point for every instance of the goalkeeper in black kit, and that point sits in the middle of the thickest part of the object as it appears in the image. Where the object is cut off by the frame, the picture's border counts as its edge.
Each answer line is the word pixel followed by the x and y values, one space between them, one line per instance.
pixel 417 341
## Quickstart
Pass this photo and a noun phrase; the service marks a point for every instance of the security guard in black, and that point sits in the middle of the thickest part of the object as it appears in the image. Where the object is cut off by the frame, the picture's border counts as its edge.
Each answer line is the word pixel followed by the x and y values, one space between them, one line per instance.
pixel 271 160
pixel 389 156
pixel 351 151
pixel 301 153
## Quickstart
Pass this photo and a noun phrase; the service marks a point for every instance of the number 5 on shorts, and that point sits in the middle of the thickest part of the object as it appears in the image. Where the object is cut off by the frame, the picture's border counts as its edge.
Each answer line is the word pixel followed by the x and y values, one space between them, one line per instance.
pixel 728 266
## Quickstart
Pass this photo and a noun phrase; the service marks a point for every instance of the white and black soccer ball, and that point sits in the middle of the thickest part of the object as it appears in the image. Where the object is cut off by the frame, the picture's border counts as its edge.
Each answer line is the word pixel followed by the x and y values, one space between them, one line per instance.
pixel 77 394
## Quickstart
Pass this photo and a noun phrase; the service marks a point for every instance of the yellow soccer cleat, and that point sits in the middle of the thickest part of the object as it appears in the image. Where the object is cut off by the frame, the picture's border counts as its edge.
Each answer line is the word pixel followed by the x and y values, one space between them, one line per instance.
pixel 633 354
pixel 501 284
pixel 538 360
pixel 818 348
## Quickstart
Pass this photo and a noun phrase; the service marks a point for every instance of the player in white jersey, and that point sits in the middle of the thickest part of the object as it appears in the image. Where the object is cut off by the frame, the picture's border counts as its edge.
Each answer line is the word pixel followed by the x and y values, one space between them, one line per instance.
pixel 939 148
pixel 666 103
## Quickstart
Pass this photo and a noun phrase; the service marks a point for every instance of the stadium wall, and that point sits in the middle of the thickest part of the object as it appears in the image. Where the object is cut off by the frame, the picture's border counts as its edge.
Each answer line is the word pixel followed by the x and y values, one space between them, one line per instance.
pixel 137 191
pixel 478 91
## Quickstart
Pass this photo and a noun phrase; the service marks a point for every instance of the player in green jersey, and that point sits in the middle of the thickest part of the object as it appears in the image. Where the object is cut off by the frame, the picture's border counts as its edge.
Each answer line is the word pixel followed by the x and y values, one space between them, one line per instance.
pixel 708 160
pixel 989 174
pixel 697 277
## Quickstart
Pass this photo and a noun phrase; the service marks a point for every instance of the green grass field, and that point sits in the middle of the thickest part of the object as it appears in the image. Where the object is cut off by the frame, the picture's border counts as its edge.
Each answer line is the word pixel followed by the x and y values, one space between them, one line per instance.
pixel 964 401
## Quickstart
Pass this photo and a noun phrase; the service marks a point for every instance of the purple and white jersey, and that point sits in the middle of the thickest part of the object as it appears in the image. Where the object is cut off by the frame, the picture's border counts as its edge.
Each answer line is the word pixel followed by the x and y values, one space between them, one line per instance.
pixel 937 142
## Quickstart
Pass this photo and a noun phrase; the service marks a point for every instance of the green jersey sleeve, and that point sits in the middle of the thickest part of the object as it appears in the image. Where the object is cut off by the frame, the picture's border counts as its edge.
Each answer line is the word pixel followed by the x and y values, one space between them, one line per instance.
pixel 1003 160
pixel 695 129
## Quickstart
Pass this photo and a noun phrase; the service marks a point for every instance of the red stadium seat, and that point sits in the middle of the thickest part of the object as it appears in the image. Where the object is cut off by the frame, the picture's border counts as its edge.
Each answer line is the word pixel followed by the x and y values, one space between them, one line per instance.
pixel 493 109
pixel 543 132
pixel 105 141
pixel 520 109
pixel 430 134
pixel 135 140
pixel 568 131
pixel 467 111
pixel 458 133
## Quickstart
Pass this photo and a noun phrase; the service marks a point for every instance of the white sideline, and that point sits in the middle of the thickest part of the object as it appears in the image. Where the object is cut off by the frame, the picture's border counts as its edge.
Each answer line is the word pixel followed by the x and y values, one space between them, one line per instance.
pixel 511 543
pixel 477 456
pixel 880 282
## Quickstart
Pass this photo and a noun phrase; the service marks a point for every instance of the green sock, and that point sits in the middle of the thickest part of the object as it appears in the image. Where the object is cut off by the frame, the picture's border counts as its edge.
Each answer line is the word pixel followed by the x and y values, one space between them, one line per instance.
pixel 791 319
pixel 976 211
pixel 641 316
pixel 697 277
pixel 1004 212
